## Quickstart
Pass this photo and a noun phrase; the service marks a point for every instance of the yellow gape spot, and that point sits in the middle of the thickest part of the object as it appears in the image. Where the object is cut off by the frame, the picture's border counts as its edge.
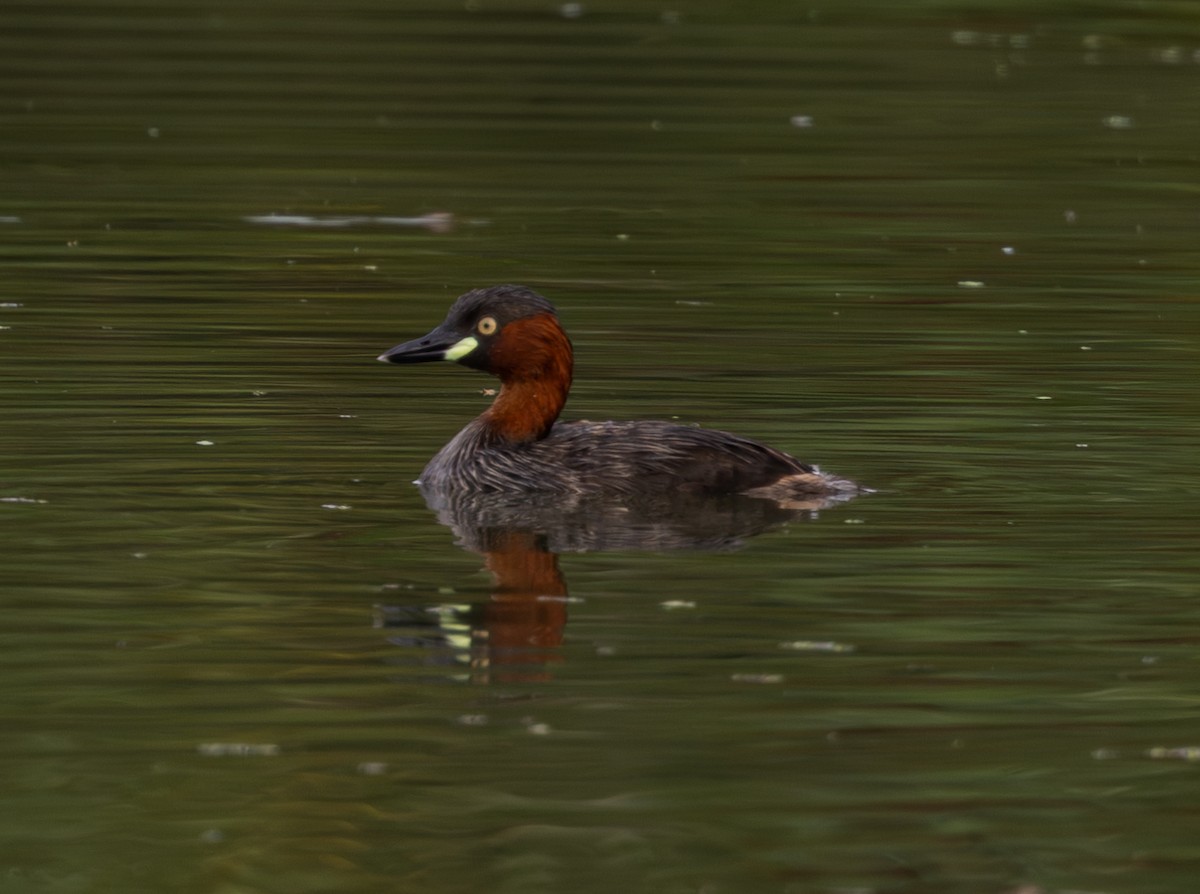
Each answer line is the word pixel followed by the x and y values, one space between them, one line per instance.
pixel 461 349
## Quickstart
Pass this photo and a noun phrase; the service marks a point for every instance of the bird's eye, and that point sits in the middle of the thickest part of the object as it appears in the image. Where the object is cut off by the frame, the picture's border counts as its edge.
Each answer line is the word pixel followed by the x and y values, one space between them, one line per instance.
pixel 486 326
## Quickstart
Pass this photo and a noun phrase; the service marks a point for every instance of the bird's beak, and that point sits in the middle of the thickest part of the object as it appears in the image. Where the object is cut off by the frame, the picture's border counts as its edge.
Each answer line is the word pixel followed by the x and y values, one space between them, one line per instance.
pixel 440 344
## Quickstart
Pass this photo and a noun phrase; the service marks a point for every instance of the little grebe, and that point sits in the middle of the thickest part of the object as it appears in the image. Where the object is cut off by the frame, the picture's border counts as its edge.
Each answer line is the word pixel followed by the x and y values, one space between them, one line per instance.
pixel 516 446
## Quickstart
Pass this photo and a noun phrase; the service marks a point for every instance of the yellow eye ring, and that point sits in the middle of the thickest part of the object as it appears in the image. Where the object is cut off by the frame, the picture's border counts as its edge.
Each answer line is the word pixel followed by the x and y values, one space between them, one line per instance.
pixel 486 326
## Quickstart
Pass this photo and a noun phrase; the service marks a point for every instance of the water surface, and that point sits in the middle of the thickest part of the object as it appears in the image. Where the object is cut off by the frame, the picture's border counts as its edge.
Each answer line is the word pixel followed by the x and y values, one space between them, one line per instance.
pixel 948 252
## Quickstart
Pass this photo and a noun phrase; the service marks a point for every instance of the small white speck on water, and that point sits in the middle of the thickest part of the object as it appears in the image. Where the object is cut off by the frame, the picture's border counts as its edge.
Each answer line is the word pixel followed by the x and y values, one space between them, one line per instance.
pixel 205 443
pixel 237 749
pixel 805 645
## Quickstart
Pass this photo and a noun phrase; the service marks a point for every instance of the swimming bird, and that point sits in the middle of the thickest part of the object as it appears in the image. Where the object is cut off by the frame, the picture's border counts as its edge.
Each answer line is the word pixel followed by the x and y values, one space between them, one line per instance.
pixel 517 446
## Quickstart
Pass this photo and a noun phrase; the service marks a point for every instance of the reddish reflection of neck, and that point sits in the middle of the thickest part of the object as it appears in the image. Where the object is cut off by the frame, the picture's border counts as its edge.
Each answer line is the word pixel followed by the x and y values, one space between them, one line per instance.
pixel 534 362
pixel 527 614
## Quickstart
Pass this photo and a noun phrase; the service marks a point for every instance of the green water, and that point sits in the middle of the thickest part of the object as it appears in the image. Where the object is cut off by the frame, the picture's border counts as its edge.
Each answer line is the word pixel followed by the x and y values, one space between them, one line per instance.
pixel 947 250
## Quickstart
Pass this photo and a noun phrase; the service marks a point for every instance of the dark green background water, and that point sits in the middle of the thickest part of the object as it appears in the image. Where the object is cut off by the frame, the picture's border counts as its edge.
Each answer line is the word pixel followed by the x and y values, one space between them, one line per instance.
pixel 949 250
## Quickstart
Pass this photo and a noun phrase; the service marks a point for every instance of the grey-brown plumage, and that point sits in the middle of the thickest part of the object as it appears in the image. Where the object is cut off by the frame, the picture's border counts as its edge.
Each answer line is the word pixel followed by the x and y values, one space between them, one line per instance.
pixel 626 458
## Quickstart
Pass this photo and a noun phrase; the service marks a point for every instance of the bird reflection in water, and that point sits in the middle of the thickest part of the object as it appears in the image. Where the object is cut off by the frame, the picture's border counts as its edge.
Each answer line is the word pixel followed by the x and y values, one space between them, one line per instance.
pixel 515 633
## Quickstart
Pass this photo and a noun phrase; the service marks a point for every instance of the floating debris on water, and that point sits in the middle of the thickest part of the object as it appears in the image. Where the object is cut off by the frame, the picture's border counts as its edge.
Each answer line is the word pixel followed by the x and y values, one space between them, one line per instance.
pixel 808 645
pixel 965 38
pixel 437 222
pixel 237 749
pixel 1190 753
pixel 757 678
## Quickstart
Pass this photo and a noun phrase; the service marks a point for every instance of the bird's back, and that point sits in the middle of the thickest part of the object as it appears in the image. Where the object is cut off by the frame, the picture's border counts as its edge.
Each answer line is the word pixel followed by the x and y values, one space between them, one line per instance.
pixel 620 458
